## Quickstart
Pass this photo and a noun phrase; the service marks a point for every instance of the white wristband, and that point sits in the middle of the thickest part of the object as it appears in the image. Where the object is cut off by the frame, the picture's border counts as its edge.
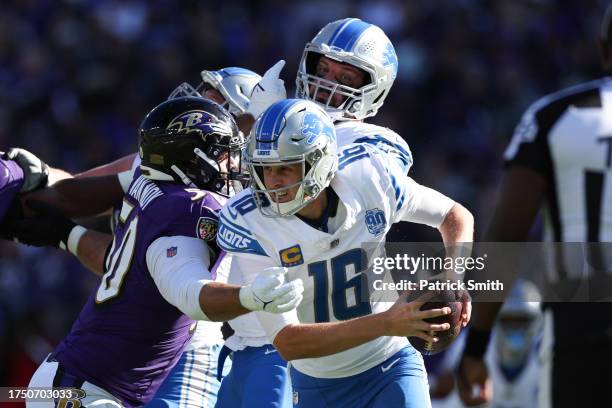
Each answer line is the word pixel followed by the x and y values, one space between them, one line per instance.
pixel 74 237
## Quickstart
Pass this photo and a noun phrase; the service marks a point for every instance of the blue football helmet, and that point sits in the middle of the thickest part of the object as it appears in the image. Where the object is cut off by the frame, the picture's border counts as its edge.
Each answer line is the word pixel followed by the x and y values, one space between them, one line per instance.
pixel 292 131
pixel 359 44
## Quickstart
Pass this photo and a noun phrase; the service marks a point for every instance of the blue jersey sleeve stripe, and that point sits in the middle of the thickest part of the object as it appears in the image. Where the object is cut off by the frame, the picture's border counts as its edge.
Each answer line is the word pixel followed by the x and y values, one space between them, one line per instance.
pixel 243 230
pixel 233 239
pixel 255 249
pixel 407 155
pixel 400 193
pixel 404 155
pixel 351 159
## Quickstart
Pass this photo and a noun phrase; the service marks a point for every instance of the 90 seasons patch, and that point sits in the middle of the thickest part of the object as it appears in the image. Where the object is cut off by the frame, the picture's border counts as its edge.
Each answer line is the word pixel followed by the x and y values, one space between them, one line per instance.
pixel 207 228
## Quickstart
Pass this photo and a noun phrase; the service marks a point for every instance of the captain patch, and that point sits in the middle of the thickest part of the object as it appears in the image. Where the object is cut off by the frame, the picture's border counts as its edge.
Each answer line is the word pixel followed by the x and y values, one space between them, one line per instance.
pixel 291 256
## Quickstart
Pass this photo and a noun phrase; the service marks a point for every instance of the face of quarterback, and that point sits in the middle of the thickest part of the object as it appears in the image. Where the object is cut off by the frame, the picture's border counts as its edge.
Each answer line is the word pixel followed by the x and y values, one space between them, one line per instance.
pixel 275 177
pixel 340 73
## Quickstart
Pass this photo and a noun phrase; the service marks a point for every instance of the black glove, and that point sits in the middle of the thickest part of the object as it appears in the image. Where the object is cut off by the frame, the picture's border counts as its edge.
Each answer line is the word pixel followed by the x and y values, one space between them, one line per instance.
pixel 48 228
pixel 35 171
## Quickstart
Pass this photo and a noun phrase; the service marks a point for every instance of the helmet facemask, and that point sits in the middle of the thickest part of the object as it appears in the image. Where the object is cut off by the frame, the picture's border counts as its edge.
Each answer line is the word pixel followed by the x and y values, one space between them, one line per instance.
pixel 219 165
pixel 309 84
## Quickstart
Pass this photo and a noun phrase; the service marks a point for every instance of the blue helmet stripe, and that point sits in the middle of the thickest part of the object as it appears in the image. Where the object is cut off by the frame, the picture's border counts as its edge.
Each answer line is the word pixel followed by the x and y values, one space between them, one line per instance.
pixel 339 29
pixel 350 33
pixel 271 122
pixel 266 122
pixel 279 120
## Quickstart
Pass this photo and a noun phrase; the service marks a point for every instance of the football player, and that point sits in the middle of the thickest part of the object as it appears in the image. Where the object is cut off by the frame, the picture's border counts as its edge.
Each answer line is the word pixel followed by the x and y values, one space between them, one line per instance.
pixel 310 208
pixel 348 68
pixel 159 270
pixel 98 189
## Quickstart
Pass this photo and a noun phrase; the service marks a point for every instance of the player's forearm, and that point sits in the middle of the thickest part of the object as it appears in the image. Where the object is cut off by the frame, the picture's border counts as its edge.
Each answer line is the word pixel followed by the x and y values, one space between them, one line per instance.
pixel 56 175
pixel 322 339
pixel 118 166
pixel 85 197
pixel 221 302
pixel 458 226
pixel 91 250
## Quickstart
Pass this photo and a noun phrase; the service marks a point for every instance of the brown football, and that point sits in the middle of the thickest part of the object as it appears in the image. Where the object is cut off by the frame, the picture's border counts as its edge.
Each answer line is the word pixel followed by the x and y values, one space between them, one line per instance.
pixel 442 298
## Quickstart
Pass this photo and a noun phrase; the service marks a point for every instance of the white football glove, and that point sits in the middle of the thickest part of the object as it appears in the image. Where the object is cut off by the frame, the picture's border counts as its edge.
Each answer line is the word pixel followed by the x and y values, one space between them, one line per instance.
pixel 269 90
pixel 35 171
pixel 269 292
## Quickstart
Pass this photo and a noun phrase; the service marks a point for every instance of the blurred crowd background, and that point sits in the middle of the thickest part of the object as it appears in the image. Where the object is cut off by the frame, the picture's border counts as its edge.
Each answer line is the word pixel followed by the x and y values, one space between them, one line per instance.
pixel 77 77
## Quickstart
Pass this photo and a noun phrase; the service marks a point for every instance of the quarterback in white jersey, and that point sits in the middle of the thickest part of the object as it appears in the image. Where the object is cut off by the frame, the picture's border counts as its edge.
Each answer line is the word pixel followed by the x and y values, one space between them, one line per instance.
pixel 350 82
pixel 311 210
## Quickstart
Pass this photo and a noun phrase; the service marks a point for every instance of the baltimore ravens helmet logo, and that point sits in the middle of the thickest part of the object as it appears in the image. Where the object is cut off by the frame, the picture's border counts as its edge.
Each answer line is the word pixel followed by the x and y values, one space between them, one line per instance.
pixel 313 127
pixel 207 228
pixel 199 121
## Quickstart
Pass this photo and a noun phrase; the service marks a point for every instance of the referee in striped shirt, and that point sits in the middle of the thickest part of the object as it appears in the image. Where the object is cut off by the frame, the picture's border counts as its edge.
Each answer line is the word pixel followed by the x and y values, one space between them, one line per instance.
pixel 559 161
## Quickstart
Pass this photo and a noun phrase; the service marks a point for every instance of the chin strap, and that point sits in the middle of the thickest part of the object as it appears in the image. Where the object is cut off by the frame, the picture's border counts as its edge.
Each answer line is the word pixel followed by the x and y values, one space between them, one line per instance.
pixel 186 180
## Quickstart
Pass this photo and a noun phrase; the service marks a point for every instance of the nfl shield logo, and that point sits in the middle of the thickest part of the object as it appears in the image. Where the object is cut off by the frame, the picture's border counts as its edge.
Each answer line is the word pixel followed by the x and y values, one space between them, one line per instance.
pixel 375 221
pixel 170 252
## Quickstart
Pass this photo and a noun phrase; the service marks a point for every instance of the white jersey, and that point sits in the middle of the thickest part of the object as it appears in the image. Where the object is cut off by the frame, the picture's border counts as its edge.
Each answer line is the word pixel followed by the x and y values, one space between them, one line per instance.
pixel 247 330
pixel 384 139
pixel 373 194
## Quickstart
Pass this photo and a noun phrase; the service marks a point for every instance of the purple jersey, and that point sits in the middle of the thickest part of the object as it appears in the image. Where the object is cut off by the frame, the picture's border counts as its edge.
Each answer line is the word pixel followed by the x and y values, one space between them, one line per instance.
pixel 11 180
pixel 127 337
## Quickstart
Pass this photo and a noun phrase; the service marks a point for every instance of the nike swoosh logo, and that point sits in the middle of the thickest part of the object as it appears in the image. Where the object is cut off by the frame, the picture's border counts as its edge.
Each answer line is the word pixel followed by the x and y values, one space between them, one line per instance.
pixel 391 364
pixel 268 351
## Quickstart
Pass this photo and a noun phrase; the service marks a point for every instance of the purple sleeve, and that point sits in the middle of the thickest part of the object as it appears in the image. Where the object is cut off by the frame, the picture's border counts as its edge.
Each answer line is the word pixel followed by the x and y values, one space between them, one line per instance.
pixel 185 217
pixel 11 180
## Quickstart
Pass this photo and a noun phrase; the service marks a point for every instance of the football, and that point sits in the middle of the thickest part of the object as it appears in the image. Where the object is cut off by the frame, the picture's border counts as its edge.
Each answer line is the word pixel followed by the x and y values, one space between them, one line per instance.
pixel 442 298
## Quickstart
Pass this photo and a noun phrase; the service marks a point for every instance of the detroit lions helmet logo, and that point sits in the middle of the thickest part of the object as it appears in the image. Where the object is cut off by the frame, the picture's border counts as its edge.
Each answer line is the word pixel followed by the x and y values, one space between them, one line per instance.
pixel 313 127
pixel 389 59
pixel 199 121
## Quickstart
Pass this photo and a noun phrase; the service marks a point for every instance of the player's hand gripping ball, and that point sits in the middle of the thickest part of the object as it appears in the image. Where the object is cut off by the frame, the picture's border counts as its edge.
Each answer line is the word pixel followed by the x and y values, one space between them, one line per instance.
pixel 443 298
